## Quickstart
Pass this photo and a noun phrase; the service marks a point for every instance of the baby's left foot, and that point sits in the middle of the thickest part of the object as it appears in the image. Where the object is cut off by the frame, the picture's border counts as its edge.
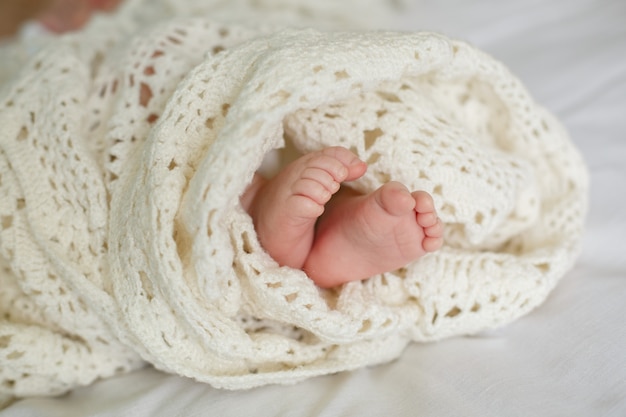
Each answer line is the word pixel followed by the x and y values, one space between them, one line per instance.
pixel 285 208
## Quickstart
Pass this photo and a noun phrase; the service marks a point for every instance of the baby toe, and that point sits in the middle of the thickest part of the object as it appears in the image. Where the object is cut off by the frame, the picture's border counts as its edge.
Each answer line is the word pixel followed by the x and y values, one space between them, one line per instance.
pixel 322 177
pixel 311 189
pixel 333 167
pixel 432 244
pixel 428 219
pixel 423 202
pixel 435 231
pixel 355 167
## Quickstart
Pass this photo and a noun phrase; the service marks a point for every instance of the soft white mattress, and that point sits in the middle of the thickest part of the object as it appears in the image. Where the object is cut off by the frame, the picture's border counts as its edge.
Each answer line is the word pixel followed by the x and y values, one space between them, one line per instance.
pixel 568 357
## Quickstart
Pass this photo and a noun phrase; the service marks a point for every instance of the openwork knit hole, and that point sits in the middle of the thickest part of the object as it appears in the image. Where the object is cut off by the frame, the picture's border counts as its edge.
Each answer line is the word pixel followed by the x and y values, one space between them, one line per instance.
pixel 370 137
pixel 341 75
pixel 454 311
pixel 6 221
pixel 5 341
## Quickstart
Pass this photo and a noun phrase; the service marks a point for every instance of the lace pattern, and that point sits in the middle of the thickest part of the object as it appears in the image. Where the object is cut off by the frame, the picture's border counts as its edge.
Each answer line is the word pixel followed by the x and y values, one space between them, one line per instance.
pixel 125 148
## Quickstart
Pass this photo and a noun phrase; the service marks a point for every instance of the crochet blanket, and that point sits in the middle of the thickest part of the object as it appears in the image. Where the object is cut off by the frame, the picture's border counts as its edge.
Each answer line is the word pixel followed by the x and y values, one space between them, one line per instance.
pixel 124 150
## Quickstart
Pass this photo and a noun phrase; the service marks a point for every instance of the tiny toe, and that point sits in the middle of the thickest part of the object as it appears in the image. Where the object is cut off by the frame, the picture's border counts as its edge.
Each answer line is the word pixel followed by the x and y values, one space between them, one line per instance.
pixel 435 230
pixel 423 202
pixel 311 189
pixel 355 167
pixel 323 177
pixel 432 244
pixel 343 155
pixel 305 207
pixel 428 219
pixel 332 166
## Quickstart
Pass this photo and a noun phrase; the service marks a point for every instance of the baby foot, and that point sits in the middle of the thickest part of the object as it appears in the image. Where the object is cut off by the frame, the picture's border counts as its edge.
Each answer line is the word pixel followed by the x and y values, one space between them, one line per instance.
pixel 61 16
pixel 362 235
pixel 285 208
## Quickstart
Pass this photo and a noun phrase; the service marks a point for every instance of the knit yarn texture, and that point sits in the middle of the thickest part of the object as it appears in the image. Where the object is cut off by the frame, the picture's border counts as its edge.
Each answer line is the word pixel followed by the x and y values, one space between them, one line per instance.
pixel 124 149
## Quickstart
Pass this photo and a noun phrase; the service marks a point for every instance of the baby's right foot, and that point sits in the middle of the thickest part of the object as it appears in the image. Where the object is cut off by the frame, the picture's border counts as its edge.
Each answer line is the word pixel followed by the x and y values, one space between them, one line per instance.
pixel 363 235
pixel 285 208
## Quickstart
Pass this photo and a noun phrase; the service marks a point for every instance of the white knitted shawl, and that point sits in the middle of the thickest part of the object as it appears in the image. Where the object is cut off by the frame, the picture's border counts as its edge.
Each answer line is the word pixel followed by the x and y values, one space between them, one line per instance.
pixel 124 150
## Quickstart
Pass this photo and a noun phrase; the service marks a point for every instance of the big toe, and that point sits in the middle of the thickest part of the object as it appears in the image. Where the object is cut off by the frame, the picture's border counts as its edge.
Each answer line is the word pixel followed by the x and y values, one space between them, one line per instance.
pixel 395 199
pixel 355 167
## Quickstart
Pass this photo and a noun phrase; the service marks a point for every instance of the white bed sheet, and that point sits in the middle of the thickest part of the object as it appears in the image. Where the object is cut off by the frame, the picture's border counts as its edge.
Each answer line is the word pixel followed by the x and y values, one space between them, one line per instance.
pixel 568 357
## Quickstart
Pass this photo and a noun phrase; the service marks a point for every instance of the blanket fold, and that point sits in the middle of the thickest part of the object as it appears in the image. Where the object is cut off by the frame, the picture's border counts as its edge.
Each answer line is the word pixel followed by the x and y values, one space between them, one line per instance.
pixel 122 240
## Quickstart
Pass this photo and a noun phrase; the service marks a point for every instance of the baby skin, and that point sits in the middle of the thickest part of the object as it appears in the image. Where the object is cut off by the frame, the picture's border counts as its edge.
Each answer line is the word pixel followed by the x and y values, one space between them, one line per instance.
pixel 305 219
